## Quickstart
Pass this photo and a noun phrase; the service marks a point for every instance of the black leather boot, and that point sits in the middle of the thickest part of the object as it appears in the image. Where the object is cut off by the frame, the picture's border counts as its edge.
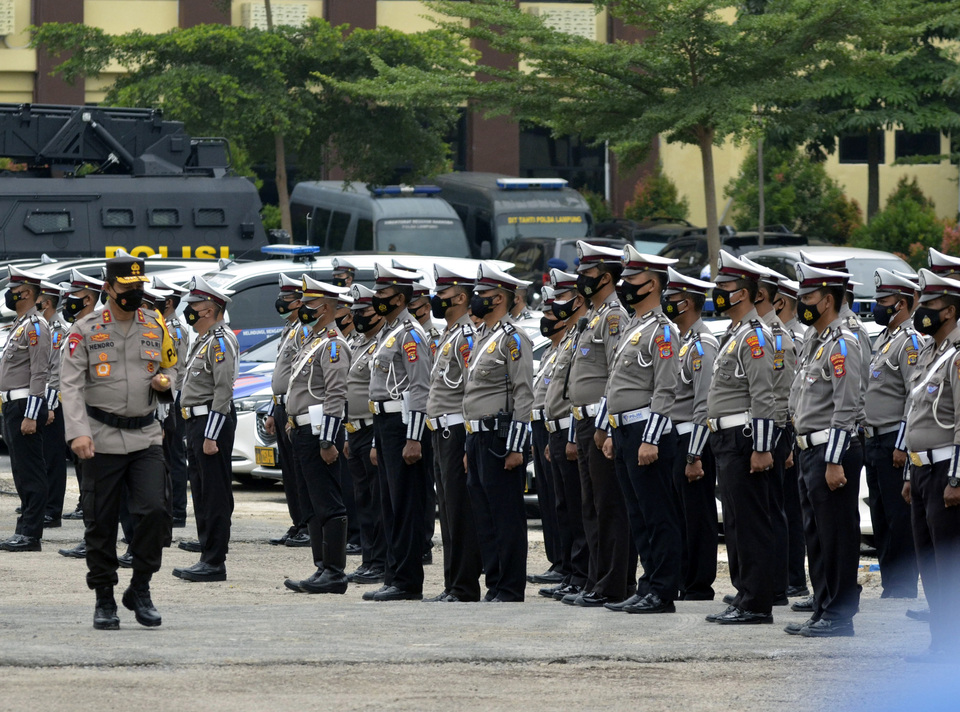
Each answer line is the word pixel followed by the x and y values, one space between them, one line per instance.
pixel 105 613
pixel 137 599
pixel 333 579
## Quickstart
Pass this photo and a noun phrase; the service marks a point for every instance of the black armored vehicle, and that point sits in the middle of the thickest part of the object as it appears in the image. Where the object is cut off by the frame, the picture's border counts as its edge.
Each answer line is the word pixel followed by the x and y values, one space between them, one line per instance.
pixel 84 181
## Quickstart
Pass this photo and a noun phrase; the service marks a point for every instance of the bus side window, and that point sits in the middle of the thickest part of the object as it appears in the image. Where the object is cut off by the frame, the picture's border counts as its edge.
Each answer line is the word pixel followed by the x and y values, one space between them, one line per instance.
pixel 484 233
pixel 338 231
pixel 318 228
pixel 299 221
pixel 364 239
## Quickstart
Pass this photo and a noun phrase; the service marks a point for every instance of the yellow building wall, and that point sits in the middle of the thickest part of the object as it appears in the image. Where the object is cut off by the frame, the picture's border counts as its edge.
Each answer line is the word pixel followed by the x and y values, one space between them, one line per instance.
pixel 404 15
pixel 682 163
pixel 18 63
pixel 118 16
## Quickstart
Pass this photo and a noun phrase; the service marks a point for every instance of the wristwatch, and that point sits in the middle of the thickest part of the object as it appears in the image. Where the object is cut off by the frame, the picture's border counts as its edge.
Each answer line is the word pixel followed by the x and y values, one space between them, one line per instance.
pixel 324 444
pixel 691 459
pixel 953 481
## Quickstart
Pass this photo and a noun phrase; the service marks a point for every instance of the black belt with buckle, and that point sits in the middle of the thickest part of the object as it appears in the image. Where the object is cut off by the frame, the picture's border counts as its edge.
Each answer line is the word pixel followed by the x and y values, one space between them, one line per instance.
pixel 119 421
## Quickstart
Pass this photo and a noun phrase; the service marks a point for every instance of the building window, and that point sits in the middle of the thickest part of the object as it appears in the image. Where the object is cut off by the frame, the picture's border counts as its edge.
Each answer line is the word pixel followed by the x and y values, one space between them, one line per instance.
pixel 853 149
pixel 568 157
pixel 925 143
pixel 44 222
pixel 117 217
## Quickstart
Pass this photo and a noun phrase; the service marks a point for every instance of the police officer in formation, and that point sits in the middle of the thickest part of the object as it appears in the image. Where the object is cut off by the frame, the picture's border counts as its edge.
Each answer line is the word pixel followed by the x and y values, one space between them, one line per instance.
pixel 206 399
pixel 54 445
pixel 316 397
pixel 292 337
pixel 497 403
pixel 115 367
pixel 24 368
pixel 462 563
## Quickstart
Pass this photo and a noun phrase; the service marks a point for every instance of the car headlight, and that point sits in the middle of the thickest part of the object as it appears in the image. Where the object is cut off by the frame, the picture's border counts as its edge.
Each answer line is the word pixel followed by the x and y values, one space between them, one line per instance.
pixel 252 403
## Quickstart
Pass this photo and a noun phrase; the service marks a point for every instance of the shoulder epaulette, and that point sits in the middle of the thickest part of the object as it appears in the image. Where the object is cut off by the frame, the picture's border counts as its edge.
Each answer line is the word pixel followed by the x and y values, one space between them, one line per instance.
pixel 508 327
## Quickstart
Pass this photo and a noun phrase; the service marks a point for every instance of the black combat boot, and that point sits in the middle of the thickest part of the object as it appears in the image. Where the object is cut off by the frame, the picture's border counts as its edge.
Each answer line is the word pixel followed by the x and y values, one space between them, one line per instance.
pixel 137 599
pixel 105 614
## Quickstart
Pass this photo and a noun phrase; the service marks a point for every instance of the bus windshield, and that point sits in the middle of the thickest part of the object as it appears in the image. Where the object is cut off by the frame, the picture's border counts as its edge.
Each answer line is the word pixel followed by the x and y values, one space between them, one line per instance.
pixel 435 236
pixel 560 225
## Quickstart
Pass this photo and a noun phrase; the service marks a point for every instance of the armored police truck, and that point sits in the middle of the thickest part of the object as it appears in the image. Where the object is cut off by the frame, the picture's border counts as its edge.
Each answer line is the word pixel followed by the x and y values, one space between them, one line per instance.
pixel 85 181
pixel 496 209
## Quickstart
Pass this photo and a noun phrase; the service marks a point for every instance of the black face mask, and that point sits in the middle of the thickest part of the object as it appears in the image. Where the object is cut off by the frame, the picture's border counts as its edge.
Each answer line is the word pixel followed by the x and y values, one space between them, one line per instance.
pixel 588 286
pixel 283 306
pixel 549 327
pixel 343 321
pixel 306 315
pixel 382 305
pixel 191 314
pixel 130 301
pixel 672 309
pixel 629 294
pixel 722 301
pixel 564 310
pixel 72 306
pixel 882 315
pixel 339 281
pixel 439 307
pixel 419 311
pixel 363 324
pixel 11 299
pixel 481 306
pixel 809 314
pixel 927 321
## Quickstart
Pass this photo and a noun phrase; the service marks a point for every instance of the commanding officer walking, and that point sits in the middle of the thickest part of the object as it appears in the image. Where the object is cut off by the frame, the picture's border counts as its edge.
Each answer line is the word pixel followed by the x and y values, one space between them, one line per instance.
pixel 115 366
pixel 830 453
pixel 359 442
pixel 291 340
pixel 54 445
pixel 885 403
pixel 568 307
pixel 461 547
pixel 24 365
pixel 399 387
pixel 741 408
pixel 207 406
pixel 933 488
pixel 317 395
pixel 497 401
pixel 612 563
pixel 173 425
pixel 639 396
pixel 694 469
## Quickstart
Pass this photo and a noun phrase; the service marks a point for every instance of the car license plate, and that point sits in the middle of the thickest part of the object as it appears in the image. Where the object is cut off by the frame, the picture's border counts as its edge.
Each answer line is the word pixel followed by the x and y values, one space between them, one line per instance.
pixel 266 456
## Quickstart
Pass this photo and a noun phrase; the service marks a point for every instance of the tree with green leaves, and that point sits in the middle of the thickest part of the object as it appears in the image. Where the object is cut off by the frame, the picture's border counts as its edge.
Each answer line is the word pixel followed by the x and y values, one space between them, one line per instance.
pixel 656 198
pixel 278 91
pixel 701 73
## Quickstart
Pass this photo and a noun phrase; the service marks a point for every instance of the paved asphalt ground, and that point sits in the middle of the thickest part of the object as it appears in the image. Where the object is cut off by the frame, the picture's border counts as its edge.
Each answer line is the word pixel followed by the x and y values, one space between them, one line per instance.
pixel 249 644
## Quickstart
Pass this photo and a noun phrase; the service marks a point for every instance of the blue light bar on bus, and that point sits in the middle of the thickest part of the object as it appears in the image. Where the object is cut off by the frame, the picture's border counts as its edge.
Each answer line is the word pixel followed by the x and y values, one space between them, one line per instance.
pixel 290 250
pixel 405 190
pixel 531 183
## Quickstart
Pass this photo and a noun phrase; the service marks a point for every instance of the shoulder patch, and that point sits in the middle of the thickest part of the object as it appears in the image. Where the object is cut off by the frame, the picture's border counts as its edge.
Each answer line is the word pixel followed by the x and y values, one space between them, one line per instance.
pixel 839 369
pixel 334 353
pixel 613 324
pixel 755 345
pixel 72 342
pixel 464 350
pixel 410 348
pixel 515 347
pixel 663 344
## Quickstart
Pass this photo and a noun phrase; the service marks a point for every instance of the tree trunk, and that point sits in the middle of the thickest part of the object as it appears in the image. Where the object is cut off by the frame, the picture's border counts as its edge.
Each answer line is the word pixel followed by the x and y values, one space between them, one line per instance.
pixel 762 212
pixel 705 141
pixel 269 10
pixel 283 195
pixel 874 145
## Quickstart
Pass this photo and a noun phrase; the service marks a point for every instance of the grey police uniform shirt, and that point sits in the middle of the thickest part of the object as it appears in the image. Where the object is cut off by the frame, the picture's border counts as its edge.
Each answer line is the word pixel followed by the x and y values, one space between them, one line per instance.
pixel 292 339
pixel 181 342
pixel 894 361
pixel 448 374
pixel 830 388
pixel 358 379
pixel 797 331
pixel 743 379
pixel 25 361
pixel 852 323
pixel 557 400
pixel 934 391
pixel 695 360
pixel 108 364
pixel 594 352
pixel 401 370
pixel 542 378
pixel 644 373
pixel 58 334
pixel 211 371
pixel 784 365
pixel 319 378
pixel 499 380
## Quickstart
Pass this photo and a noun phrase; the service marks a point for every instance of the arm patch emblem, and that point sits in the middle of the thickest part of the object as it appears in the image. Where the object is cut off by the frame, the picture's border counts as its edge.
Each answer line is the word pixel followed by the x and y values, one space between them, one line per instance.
pixel 411 348
pixel 838 368
pixel 756 350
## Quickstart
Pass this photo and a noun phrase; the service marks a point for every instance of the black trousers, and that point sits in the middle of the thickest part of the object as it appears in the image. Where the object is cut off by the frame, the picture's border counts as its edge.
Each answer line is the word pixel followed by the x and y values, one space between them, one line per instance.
pixel 55 461
pixel 29 468
pixel 547 499
pixel 497 497
pixel 401 495
pixel 651 498
pixel 175 453
pixel 429 492
pixel 140 479
pixel 613 557
pixel 322 483
pixel 292 484
pixel 462 563
pixel 796 547
pixel 892 528
pixel 573 540
pixel 778 514
pixel 349 501
pixel 831 522
pixel 936 535
pixel 746 520
pixel 366 487
pixel 698 504
pixel 211 484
